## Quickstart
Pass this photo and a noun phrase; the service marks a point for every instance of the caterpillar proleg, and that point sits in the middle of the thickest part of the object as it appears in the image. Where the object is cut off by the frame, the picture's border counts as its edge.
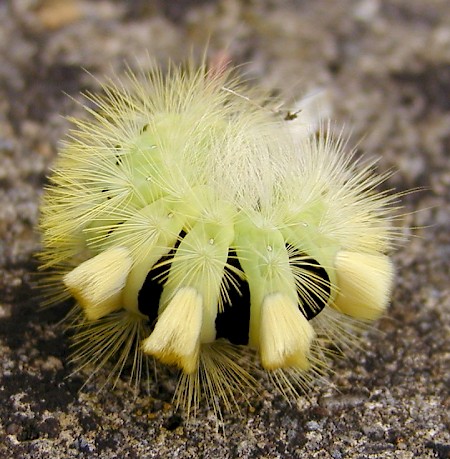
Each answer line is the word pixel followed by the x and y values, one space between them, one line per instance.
pixel 191 220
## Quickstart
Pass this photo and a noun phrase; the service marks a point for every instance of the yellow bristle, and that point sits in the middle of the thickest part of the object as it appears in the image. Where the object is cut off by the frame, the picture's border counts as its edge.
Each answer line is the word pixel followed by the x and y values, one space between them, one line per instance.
pixel 97 283
pixel 364 283
pixel 176 337
pixel 200 201
pixel 285 334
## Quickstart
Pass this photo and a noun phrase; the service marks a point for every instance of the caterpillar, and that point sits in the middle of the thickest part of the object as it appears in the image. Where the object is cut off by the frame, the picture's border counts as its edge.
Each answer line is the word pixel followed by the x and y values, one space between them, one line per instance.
pixel 193 223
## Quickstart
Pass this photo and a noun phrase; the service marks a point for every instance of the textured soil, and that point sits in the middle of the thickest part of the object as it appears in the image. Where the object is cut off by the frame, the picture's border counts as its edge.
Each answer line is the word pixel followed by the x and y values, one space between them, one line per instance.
pixel 385 65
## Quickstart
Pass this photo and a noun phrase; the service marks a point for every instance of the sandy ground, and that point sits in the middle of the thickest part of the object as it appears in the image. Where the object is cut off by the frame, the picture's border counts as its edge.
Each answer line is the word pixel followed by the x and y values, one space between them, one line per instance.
pixel 386 67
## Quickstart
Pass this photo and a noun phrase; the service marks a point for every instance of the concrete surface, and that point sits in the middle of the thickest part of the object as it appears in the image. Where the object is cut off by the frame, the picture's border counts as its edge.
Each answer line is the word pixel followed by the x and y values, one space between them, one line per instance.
pixel 386 65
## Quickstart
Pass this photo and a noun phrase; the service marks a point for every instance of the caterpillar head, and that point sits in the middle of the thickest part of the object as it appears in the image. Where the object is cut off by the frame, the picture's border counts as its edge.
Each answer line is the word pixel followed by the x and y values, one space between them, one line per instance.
pixel 187 219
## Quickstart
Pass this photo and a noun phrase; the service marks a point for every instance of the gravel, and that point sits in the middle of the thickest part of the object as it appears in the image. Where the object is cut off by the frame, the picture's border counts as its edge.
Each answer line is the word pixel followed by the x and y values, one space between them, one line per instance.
pixel 385 65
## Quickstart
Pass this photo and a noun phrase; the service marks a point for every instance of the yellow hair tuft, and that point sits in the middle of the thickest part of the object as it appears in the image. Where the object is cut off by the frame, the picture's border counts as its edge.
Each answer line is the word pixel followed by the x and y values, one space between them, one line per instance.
pixel 196 224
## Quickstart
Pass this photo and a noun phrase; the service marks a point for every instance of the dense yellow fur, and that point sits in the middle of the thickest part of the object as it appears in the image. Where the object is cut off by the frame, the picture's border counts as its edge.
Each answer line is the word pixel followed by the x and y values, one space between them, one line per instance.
pixel 200 164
